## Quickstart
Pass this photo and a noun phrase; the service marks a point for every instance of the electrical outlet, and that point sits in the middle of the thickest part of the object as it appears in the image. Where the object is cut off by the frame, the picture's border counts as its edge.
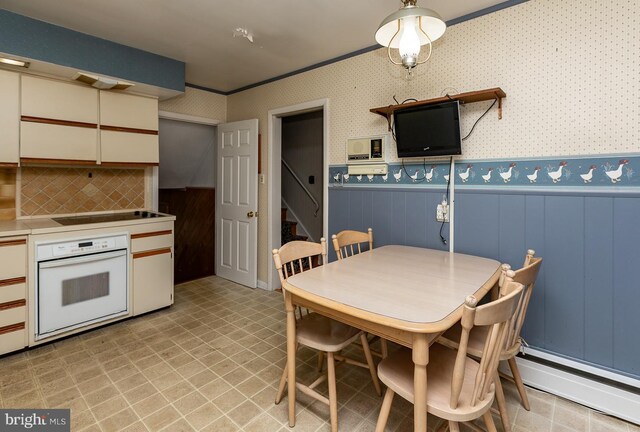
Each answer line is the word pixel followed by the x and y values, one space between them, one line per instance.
pixel 261 178
pixel 442 213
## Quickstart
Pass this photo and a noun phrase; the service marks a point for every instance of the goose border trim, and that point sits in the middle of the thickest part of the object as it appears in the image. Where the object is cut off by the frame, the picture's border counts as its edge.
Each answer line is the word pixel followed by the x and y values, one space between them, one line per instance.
pixel 611 171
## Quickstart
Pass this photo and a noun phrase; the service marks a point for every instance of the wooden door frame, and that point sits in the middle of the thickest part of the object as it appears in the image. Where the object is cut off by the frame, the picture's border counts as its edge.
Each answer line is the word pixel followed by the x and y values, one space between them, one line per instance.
pixel 274 191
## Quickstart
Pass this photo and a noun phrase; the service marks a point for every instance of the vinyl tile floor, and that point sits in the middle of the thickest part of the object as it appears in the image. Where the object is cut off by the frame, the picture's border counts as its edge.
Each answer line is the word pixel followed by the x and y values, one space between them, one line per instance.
pixel 211 362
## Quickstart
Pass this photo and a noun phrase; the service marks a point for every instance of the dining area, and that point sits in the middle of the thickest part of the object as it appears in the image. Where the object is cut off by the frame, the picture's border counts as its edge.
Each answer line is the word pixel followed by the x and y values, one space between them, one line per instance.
pixel 445 322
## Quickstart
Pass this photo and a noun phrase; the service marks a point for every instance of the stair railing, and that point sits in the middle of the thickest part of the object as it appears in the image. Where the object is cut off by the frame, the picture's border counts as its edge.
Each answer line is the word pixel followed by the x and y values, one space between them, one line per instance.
pixel 297 179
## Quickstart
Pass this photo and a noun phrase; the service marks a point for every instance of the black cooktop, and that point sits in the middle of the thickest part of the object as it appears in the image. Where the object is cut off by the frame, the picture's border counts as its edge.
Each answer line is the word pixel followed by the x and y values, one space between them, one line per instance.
pixel 113 217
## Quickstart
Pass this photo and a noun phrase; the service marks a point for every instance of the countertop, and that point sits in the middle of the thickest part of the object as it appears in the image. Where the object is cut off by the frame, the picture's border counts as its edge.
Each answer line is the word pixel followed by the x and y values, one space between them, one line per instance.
pixel 47 225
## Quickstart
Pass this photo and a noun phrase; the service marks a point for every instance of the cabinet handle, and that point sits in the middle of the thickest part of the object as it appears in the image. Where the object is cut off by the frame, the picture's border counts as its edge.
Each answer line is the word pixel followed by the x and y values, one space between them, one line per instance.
pixel 13 281
pixel 13 304
pixel 151 253
pixel 13 243
pixel 150 234
pixel 11 328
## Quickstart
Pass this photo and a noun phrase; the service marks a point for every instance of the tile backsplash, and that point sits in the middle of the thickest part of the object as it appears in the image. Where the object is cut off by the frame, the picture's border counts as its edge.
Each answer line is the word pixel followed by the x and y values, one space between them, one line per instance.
pixel 48 191
pixel 7 194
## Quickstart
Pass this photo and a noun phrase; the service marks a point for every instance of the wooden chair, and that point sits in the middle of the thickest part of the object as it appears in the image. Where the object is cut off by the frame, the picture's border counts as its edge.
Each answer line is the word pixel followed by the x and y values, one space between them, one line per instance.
pixel 348 243
pixel 459 388
pixel 317 331
pixel 527 276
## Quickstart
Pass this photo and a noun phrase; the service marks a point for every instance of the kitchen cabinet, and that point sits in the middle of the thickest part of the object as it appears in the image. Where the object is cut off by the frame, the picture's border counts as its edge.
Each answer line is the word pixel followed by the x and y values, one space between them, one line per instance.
pixel 152 268
pixel 128 129
pixel 59 122
pixel 9 118
pixel 13 256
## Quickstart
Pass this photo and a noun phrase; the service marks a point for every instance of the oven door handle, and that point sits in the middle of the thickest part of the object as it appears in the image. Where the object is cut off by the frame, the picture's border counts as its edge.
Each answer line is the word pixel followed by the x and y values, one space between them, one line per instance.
pixel 82 259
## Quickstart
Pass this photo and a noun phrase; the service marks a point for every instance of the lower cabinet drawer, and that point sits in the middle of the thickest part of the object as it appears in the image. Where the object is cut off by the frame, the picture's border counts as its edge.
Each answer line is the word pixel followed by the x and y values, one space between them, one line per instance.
pixel 12 292
pixel 151 240
pixel 13 256
pixel 12 315
pixel 12 339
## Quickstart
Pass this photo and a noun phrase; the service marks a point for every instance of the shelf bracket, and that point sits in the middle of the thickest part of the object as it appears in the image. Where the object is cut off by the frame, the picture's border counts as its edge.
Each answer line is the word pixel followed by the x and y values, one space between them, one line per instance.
pixel 499 108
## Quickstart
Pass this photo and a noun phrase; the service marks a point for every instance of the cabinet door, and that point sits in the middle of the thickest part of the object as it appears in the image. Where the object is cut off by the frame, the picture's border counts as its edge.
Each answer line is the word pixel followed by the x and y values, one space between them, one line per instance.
pixel 152 280
pixel 128 129
pixel 57 100
pixel 13 270
pixel 59 121
pixel 125 147
pixel 61 143
pixel 128 111
pixel 9 116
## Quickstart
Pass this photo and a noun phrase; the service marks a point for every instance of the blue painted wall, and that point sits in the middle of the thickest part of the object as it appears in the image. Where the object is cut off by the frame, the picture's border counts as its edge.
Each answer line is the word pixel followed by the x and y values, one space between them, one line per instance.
pixel 585 305
pixel 38 40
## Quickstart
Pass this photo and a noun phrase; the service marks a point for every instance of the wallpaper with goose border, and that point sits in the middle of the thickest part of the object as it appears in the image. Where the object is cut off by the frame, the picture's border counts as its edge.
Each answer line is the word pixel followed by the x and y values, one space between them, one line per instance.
pixel 616 170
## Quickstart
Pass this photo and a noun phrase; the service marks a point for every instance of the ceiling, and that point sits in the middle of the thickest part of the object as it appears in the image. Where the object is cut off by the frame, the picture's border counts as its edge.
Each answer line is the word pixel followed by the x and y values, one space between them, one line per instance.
pixel 288 34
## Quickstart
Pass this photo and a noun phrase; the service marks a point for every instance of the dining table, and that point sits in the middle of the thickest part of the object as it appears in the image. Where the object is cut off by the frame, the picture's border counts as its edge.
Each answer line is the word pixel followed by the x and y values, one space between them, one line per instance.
pixel 407 295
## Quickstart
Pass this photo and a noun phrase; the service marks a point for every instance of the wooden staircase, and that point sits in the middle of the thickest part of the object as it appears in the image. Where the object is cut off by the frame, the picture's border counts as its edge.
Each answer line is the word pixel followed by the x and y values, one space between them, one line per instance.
pixel 289 231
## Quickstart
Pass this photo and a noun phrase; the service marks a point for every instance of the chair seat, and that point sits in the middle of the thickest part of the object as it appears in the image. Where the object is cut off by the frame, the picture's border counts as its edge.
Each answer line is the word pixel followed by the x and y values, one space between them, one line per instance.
pixel 324 334
pixel 396 371
pixel 477 337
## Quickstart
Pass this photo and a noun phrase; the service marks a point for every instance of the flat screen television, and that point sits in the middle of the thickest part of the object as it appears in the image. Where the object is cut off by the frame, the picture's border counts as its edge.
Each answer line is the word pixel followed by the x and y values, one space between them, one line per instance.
pixel 428 130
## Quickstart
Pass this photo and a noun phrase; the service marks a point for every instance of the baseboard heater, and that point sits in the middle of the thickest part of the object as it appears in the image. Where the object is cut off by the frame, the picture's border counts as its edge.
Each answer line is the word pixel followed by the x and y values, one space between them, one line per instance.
pixel 600 389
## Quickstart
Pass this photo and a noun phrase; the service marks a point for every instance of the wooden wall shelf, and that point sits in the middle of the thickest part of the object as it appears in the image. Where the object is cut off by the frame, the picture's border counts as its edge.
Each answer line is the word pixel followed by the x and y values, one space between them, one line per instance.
pixel 464 98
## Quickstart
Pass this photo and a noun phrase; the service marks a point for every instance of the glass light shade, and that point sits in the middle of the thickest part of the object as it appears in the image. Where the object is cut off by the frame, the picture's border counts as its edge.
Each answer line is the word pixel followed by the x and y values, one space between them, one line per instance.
pixel 432 25
pixel 409 45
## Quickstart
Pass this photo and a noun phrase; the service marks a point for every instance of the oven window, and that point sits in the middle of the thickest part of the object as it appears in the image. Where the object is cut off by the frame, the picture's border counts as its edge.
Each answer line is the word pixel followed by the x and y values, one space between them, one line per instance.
pixel 85 288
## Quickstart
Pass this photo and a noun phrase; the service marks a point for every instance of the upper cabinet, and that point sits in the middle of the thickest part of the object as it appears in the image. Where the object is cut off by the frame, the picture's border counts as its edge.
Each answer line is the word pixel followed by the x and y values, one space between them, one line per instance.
pixel 67 123
pixel 59 122
pixel 128 129
pixel 9 118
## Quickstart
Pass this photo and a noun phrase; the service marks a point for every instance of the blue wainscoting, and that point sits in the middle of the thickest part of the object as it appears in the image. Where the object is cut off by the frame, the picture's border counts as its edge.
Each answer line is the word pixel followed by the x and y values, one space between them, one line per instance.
pixel 586 302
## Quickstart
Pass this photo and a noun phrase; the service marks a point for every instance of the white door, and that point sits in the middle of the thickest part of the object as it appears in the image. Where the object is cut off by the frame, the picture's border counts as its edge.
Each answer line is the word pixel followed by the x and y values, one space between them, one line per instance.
pixel 237 202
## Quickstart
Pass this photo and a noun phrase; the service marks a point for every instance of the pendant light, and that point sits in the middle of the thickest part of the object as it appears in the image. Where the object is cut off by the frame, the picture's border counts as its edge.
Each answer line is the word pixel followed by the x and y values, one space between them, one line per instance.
pixel 407 30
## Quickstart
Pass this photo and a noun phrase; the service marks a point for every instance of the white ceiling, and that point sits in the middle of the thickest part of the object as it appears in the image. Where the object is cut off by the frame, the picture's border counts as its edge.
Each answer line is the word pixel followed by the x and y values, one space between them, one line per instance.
pixel 288 34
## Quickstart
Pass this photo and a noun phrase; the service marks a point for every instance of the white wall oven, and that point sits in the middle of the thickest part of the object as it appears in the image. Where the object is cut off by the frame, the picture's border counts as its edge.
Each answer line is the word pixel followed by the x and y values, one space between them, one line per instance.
pixel 80 282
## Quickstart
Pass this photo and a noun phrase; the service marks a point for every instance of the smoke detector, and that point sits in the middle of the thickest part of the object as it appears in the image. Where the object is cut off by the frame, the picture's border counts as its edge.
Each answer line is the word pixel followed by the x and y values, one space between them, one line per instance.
pixel 101 82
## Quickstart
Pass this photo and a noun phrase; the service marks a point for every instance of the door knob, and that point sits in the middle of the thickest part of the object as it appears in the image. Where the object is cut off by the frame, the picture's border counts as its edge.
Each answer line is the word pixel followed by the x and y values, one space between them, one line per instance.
pixel 252 214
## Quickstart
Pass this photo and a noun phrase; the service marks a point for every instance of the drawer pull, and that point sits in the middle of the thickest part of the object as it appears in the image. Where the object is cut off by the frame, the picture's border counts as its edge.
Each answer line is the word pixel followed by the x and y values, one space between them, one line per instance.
pixel 11 328
pixel 128 129
pixel 12 304
pixel 12 242
pixel 59 122
pixel 150 234
pixel 151 253
pixel 13 281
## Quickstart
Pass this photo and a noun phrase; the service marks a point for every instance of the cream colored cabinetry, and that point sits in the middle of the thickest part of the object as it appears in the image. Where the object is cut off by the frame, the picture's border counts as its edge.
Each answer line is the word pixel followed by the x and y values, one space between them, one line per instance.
pixel 9 118
pixel 59 121
pixel 13 271
pixel 152 256
pixel 128 129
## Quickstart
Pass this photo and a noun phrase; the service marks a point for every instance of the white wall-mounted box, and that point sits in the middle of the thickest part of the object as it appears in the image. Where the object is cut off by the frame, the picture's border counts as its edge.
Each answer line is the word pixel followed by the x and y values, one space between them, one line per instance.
pixel 367 150
pixel 365 169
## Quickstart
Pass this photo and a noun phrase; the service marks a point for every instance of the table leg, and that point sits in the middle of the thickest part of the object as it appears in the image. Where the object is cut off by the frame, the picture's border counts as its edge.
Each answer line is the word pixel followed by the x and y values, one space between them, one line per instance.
pixel 291 358
pixel 420 359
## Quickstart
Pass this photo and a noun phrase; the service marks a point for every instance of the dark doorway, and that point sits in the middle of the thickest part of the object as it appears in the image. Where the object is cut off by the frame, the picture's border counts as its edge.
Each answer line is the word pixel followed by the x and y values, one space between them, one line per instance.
pixel 187 190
